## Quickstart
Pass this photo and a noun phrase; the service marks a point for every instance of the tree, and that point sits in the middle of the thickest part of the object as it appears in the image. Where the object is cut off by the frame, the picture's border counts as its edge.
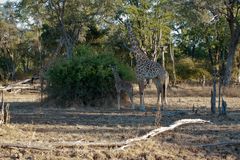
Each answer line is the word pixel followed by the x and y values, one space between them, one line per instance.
pixel 232 17
pixel 8 44
pixel 150 20
pixel 229 11
pixel 209 31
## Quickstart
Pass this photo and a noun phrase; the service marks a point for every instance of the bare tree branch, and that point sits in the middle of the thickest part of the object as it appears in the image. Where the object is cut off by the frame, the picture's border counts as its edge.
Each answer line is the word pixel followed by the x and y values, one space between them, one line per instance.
pixel 120 145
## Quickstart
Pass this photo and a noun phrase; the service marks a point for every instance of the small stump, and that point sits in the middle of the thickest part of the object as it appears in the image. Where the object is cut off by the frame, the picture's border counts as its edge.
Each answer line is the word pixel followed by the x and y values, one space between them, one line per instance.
pixel 5 116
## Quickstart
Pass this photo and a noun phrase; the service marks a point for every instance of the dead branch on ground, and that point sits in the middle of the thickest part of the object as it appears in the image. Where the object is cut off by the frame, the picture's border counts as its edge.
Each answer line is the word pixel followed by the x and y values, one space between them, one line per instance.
pixel 163 129
pixel 24 146
pixel 18 85
pixel 119 145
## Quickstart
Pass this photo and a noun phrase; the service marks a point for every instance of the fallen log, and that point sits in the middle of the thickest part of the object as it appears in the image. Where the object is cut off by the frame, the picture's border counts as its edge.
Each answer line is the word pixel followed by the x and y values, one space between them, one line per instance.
pixel 24 81
pixel 16 85
pixel 17 88
pixel 24 146
pixel 119 145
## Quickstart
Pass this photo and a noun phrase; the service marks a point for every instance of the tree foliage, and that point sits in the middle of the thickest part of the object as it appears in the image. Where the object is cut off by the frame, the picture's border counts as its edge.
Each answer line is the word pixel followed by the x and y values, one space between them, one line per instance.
pixel 87 77
pixel 35 32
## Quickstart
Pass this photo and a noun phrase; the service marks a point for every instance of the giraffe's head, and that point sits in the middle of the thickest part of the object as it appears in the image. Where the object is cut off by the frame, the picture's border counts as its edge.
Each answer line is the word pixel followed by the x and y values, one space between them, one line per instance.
pixel 133 40
pixel 115 72
pixel 139 53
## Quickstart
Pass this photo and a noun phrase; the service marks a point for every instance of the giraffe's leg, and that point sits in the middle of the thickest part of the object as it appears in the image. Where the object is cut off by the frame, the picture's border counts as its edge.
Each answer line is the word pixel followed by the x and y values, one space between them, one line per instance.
pixel 163 96
pixel 166 81
pixel 165 93
pixel 141 91
pixel 130 94
pixel 159 91
pixel 118 100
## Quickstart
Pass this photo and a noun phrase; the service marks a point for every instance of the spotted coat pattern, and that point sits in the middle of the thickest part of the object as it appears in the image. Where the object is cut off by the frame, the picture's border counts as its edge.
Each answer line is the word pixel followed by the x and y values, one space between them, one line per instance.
pixel 122 86
pixel 147 69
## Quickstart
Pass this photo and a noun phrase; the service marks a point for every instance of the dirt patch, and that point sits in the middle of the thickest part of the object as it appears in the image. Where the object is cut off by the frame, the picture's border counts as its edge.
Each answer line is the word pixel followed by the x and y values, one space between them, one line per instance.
pixel 35 124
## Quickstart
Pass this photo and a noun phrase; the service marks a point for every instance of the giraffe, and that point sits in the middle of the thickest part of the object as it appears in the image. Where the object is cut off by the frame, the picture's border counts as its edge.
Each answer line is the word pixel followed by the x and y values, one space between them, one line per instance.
pixel 122 85
pixel 148 69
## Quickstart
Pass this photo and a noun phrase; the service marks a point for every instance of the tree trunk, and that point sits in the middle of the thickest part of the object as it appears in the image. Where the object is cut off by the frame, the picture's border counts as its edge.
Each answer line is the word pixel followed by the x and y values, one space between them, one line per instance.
pixel 156 45
pixel 5 117
pixel 224 107
pixel 69 48
pixel 239 76
pixel 193 51
pixel 235 34
pixel 13 71
pixel 220 83
pixel 213 93
pixel 219 96
pixel 229 64
pixel 68 39
pixel 59 47
pixel 173 64
pixel 2 101
pixel 203 82
pixel 214 72
pixel 27 66
pixel 163 59
pixel 213 102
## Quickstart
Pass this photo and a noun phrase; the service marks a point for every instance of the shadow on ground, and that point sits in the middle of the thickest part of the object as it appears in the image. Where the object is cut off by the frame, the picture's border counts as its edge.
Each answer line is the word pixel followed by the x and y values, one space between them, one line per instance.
pixel 33 113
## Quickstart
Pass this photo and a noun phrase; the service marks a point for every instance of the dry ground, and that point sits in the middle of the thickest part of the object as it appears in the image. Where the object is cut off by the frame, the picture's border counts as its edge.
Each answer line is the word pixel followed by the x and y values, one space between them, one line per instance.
pixel 43 125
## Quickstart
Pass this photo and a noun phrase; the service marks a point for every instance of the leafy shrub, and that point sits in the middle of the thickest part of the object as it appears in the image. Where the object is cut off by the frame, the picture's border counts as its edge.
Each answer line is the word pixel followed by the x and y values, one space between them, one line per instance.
pixel 84 50
pixel 86 78
pixel 186 69
pixel 199 72
pixel 5 68
pixel 235 73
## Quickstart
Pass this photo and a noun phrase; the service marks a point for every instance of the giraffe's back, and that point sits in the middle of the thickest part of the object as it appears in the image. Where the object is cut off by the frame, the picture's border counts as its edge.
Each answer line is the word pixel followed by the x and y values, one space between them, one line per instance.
pixel 150 70
pixel 124 86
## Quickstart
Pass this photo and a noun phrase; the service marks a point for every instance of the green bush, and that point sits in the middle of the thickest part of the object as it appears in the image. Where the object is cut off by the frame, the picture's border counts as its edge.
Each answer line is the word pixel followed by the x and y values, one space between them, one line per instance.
pixel 84 50
pixel 5 68
pixel 186 69
pixel 86 78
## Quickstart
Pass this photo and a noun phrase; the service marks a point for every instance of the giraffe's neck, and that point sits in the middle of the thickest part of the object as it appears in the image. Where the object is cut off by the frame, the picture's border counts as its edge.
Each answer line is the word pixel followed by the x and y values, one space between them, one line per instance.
pixel 141 58
pixel 139 54
pixel 116 76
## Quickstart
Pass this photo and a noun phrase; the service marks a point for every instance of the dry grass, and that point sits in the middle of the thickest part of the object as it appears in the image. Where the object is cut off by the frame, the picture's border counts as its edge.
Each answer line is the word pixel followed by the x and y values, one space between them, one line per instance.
pixel 193 91
pixel 32 124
